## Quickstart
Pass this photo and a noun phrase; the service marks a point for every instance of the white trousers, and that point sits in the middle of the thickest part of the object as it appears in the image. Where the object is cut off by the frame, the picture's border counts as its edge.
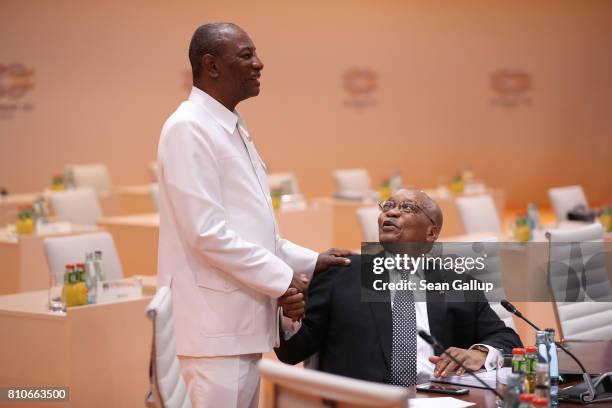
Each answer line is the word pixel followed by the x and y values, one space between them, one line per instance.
pixel 227 382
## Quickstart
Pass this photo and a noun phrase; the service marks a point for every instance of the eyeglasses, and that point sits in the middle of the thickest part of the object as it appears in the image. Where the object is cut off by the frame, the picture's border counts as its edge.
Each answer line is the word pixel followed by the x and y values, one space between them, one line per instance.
pixel 406 207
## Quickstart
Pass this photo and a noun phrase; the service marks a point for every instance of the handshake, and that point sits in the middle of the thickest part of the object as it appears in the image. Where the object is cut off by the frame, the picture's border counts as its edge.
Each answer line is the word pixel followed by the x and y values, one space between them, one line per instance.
pixel 293 301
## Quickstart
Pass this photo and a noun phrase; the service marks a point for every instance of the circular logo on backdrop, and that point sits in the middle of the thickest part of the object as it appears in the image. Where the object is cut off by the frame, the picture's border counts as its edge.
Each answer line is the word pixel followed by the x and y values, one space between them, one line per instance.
pixel 512 88
pixel 16 82
pixel 360 85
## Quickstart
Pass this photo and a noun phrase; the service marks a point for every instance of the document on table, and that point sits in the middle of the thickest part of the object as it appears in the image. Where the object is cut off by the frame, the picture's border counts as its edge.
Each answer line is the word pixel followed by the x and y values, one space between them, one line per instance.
pixel 487 376
pixel 439 402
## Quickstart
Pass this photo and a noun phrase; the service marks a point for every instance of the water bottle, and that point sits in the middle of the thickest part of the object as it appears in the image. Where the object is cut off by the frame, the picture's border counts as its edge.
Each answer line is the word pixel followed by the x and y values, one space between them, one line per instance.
pixel 98 266
pixel 92 278
pixel 553 363
pixel 534 216
pixel 542 346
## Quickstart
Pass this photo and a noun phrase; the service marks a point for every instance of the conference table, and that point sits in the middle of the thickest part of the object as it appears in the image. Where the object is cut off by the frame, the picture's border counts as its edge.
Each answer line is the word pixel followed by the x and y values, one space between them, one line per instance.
pixel 23 265
pixel 100 352
pixel 120 200
pixel 136 236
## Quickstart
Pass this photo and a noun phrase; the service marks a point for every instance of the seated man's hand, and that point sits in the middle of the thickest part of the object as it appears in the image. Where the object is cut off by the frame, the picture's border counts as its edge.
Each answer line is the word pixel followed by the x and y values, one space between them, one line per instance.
pixel 293 304
pixel 472 359
pixel 332 257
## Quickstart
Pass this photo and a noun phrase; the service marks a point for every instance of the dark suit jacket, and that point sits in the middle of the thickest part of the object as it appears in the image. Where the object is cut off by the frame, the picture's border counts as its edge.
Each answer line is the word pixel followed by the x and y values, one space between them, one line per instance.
pixel 353 337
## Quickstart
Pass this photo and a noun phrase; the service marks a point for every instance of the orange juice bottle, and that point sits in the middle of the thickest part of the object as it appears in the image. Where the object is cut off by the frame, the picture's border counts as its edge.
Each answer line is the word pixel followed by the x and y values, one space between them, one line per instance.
pixel 81 285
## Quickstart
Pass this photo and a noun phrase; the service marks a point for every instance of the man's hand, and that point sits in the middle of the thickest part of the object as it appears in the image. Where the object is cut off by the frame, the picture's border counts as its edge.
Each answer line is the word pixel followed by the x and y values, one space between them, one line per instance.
pixel 293 304
pixel 332 257
pixel 472 359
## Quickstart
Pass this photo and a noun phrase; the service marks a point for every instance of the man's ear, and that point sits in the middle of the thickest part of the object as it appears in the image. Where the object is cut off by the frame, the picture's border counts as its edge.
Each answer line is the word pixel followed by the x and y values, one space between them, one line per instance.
pixel 210 65
pixel 432 233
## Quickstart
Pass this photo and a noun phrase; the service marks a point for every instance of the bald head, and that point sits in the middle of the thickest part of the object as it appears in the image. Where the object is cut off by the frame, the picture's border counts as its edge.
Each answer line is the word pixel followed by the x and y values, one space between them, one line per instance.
pixel 429 205
pixel 210 39
pixel 420 223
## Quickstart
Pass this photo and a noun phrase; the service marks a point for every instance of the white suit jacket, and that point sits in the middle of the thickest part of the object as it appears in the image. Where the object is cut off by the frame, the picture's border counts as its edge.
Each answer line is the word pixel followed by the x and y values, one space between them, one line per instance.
pixel 219 246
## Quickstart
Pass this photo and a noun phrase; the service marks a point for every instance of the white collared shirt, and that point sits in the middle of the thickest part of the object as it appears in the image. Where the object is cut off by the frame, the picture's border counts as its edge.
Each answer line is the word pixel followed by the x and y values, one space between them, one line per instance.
pixel 424 350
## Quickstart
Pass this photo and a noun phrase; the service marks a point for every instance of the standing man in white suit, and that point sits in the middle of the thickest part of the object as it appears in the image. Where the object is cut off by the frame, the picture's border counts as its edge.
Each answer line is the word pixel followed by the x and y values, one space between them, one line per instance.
pixel 219 246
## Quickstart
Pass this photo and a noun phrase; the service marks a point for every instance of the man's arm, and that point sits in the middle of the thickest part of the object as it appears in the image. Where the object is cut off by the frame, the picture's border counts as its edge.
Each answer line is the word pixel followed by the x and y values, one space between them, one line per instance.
pixel 491 332
pixel 312 334
pixel 190 174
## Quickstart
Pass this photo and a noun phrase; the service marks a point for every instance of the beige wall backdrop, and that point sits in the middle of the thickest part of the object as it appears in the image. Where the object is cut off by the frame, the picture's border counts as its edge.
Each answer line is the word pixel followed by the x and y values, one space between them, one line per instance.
pixel 107 74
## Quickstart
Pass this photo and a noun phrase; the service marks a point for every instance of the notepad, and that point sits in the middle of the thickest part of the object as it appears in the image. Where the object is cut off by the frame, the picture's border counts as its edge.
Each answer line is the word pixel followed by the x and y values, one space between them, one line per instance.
pixel 487 376
pixel 439 402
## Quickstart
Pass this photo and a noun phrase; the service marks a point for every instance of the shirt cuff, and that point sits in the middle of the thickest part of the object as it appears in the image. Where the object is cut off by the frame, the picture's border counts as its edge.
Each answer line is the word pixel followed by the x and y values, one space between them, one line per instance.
pixel 289 327
pixel 491 360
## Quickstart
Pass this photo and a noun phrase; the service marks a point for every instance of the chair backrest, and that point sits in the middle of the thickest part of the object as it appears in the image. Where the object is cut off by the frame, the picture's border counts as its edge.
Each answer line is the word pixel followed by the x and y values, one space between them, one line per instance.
pixel 564 199
pixel 368 223
pixel 72 249
pixel 167 385
pixel 492 273
pixel 285 181
pixel 579 283
pixel 79 206
pixel 352 183
pixel 478 214
pixel 153 171
pixel 154 194
pixel 297 387
pixel 95 176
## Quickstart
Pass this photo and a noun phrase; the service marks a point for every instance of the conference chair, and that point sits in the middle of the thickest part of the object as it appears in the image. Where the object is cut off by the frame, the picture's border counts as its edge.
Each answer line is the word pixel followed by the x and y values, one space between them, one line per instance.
pixel 95 176
pixel 154 194
pixel 492 273
pixel 579 283
pixel 564 199
pixel 353 184
pixel 72 249
pixel 296 387
pixel 478 214
pixel 287 182
pixel 79 206
pixel 368 223
pixel 153 171
pixel 168 389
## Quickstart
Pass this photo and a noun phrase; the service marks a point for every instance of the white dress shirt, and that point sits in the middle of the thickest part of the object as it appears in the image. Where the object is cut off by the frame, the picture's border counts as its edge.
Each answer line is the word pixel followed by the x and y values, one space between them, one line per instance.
pixel 219 245
pixel 424 350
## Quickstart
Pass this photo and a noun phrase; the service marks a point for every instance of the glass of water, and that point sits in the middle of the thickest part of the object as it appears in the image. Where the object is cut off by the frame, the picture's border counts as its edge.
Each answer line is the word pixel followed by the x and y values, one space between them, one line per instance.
pixel 503 369
pixel 56 302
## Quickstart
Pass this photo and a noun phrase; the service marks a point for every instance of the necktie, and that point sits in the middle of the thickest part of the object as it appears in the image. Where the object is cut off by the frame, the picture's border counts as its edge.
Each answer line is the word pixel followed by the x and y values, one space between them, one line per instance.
pixel 404 343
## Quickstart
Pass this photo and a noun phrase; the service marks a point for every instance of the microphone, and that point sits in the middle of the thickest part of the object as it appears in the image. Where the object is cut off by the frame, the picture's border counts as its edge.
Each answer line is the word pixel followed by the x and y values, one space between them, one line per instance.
pixel 584 393
pixel 429 339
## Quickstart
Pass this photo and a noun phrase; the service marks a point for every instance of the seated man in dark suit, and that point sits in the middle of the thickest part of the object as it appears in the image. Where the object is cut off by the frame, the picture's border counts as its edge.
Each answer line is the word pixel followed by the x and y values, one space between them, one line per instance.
pixel 377 341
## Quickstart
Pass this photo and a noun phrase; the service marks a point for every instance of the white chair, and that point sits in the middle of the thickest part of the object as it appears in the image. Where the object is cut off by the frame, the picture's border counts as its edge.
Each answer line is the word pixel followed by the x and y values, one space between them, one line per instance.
pixel 368 223
pixel 61 251
pixel 95 176
pixel 154 194
pixel 297 387
pixel 153 171
pixel 285 181
pixel 478 214
pixel 168 389
pixel 491 274
pixel 353 184
pixel 579 284
pixel 564 199
pixel 79 206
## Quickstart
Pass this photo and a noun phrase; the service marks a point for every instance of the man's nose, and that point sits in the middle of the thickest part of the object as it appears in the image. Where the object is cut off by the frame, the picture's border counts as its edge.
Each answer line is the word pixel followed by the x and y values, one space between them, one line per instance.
pixel 257 64
pixel 394 212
